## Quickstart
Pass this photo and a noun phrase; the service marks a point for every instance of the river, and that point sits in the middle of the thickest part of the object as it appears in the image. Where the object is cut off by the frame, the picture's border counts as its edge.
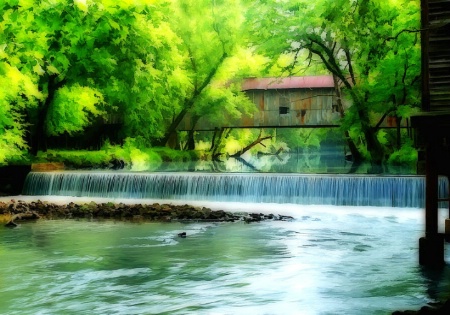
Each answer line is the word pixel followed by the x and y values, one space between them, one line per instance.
pixel 328 260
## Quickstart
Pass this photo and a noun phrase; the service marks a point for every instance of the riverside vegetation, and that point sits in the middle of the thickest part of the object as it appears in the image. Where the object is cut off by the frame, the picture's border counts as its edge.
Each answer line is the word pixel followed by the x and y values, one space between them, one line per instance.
pixel 72 69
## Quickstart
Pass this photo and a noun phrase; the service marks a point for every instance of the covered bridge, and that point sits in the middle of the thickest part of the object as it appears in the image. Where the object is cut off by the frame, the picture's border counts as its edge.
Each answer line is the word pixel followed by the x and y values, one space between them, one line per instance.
pixel 308 101
pixel 292 101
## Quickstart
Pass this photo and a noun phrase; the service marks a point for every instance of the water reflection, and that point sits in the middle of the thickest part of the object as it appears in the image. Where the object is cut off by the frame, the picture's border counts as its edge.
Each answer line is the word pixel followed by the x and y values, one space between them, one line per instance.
pixel 436 280
pixel 316 162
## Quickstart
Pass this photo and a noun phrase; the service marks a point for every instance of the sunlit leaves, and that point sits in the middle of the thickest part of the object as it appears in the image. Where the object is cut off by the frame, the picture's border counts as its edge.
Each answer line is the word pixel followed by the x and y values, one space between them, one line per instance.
pixel 211 39
pixel 99 55
pixel 73 109
pixel 17 92
pixel 82 5
pixel 382 137
pixel 371 46
pixel 405 111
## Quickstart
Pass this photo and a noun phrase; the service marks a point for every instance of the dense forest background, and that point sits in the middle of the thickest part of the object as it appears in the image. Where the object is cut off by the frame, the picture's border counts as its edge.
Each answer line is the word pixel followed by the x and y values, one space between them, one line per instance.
pixel 116 78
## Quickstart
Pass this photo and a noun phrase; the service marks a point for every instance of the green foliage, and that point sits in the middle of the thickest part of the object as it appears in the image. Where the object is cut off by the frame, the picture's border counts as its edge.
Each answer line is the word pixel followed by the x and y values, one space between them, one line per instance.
pixel 215 62
pixel 76 159
pixel 65 64
pixel 73 109
pixel 170 155
pixel 217 103
pixel 134 155
pixel 381 135
pixel 94 57
pixel 369 46
pixel 307 138
pixel 238 139
pixel 406 155
pixel 17 92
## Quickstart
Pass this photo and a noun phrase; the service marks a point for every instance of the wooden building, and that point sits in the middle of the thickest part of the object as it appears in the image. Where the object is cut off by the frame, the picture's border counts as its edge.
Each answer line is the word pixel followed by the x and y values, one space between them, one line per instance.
pixel 293 101
pixel 308 101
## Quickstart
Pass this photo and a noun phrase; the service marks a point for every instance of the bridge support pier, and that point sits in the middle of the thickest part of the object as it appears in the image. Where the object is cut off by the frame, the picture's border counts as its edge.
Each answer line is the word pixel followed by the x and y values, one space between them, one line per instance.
pixel 432 136
pixel 447 230
pixel 431 251
pixel 431 247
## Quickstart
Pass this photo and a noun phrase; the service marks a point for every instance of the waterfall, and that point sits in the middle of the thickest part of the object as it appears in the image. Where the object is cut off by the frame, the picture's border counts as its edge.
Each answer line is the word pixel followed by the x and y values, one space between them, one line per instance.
pixel 350 190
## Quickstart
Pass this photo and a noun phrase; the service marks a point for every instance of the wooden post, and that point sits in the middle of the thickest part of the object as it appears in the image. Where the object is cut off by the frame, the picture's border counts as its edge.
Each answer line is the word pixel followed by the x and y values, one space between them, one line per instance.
pixel 431 190
pixel 447 221
pixel 431 247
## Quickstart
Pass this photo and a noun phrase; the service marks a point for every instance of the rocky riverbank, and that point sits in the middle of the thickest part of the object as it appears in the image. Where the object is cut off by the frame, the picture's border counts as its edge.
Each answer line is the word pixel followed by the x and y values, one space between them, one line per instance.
pixel 14 212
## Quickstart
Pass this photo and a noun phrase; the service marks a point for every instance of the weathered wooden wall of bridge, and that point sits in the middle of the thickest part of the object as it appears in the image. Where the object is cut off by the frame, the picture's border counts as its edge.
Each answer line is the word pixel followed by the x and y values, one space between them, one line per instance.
pixel 295 102
pixel 282 102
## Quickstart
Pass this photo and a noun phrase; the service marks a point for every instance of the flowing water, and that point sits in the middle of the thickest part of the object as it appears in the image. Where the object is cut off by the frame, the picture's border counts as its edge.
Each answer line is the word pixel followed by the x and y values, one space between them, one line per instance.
pixel 340 256
pixel 358 190
pixel 329 260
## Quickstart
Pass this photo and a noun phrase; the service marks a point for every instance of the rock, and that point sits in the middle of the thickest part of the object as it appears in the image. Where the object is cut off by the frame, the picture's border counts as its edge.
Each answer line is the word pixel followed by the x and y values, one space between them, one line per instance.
pixel 22 217
pixel 11 224
pixel 285 218
pixel 182 235
pixel 252 217
pixel 110 210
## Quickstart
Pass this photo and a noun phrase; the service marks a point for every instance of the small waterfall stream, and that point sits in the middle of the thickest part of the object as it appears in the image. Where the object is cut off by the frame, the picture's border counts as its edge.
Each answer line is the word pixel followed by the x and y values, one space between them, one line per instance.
pixel 348 190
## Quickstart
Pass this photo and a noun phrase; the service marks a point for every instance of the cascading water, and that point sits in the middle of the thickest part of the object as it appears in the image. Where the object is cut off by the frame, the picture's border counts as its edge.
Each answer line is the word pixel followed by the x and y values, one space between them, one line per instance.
pixel 349 190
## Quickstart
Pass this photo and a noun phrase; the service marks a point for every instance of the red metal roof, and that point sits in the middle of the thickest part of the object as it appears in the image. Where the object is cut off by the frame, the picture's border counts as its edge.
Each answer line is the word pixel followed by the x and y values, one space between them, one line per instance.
pixel 324 81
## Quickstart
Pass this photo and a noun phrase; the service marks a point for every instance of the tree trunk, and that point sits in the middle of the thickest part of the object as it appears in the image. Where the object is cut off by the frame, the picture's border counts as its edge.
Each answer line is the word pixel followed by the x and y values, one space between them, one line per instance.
pixel 331 62
pixel 172 128
pixel 190 145
pixel 217 143
pixel 373 145
pixel 189 103
pixel 39 138
pixel 356 155
pixel 213 142
pixel 398 122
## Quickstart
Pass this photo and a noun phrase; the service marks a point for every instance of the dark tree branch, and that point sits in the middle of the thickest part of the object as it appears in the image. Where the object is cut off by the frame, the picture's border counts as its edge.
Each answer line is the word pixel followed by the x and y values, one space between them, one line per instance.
pixel 251 145
pixel 395 37
pixel 349 61
pixel 190 102
pixel 330 62
pixel 383 118
pixel 405 71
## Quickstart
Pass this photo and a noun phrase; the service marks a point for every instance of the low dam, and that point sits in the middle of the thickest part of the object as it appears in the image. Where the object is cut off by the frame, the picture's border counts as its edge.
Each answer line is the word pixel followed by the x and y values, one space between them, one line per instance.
pixel 340 190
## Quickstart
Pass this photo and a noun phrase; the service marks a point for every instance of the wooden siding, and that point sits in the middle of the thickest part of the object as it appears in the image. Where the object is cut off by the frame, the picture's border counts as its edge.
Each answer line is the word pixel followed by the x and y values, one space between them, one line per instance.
pixel 436 55
pixel 313 107
pixel 304 107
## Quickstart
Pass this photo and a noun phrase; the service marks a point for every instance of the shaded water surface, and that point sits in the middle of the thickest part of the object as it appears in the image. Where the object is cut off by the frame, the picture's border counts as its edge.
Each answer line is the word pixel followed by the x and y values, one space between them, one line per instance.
pixel 329 260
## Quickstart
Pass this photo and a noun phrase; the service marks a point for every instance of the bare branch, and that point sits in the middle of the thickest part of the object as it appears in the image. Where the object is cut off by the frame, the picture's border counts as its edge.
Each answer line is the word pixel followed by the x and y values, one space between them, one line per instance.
pixel 349 61
pixel 383 118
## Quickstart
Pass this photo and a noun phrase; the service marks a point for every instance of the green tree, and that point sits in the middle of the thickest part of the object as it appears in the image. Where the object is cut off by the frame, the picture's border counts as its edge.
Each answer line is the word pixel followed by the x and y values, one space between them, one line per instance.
pixel 18 92
pixel 361 43
pixel 209 30
pixel 89 58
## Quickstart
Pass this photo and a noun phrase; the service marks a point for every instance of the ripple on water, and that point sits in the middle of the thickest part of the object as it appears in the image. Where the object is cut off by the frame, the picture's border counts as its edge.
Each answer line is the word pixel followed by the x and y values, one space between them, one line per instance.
pixel 333 265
